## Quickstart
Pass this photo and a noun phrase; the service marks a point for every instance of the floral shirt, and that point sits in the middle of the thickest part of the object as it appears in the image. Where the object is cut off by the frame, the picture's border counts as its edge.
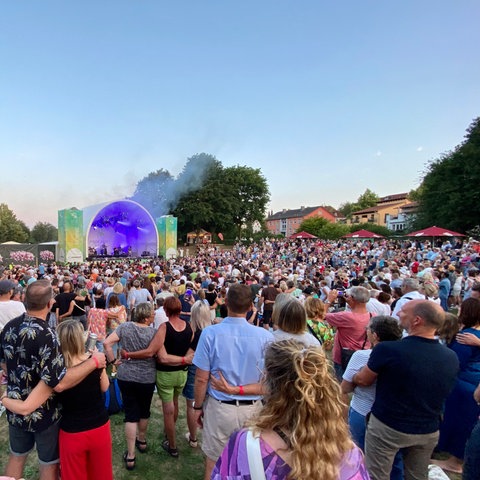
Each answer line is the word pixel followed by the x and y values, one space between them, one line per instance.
pixel 324 332
pixel 29 348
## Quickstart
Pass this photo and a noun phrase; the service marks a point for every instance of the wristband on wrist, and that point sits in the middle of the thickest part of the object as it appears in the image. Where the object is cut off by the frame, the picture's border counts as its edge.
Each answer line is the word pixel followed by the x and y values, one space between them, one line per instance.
pixel 183 361
pixel 199 407
pixel 242 391
pixel 95 359
pixel 126 355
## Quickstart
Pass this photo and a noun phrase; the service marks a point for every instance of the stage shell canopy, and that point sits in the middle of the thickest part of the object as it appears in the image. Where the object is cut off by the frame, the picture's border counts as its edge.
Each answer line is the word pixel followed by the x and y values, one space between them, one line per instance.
pixel 119 228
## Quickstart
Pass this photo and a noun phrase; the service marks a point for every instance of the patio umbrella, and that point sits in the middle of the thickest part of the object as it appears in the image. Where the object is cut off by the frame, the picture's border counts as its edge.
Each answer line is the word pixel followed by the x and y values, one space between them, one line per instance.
pixel 435 232
pixel 363 234
pixel 302 235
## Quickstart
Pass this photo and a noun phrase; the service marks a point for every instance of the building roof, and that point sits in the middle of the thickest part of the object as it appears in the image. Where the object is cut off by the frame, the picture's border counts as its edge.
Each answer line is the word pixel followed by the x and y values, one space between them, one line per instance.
pixel 393 198
pixel 375 208
pixel 297 213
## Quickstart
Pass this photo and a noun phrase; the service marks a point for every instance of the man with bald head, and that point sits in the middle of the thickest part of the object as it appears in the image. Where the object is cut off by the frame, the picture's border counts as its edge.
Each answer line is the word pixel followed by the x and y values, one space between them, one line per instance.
pixel 414 377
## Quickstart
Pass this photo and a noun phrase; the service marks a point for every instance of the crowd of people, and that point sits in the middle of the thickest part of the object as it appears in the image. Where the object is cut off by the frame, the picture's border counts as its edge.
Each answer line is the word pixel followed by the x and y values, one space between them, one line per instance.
pixel 268 343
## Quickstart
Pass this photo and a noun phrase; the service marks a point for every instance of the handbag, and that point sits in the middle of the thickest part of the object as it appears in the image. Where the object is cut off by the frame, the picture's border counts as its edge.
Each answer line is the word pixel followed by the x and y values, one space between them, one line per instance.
pixel 254 457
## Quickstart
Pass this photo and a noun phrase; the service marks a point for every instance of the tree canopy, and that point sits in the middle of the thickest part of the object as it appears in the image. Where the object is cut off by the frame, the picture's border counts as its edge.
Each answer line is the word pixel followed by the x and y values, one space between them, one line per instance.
pixel 449 195
pixel 12 229
pixel 322 228
pixel 365 200
pixel 43 232
pixel 207 195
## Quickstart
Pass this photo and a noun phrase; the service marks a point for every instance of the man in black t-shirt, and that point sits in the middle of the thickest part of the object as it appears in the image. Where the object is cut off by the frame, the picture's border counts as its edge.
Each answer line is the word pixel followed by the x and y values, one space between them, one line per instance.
pixel 414 377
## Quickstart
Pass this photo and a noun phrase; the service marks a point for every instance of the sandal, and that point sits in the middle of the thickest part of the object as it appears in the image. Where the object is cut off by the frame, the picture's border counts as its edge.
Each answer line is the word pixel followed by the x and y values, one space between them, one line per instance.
pixel 192 443
pixel 173 452
pixel 128 461
pixel 141 445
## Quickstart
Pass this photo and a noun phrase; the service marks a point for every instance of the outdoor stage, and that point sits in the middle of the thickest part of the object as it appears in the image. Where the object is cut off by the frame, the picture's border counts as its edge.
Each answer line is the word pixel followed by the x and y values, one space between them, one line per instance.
pixel 121 229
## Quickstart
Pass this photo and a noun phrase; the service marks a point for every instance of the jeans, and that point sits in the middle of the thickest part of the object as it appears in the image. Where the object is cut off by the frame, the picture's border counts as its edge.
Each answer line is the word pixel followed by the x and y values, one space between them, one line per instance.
pixel 357 424
pixel 471 466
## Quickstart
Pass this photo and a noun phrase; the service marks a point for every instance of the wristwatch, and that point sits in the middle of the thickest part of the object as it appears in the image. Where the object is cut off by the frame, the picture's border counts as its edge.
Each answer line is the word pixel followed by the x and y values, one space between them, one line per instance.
pixel 200 407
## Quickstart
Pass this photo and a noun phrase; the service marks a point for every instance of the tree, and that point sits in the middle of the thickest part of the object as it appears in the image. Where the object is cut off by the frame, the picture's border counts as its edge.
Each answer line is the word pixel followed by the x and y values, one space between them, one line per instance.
pixel 313 225
pixel 449 195
pixel 365 200
pixel 200 192
pixel 248 196
pixel 322 228
pixel 347 208
pixel 371 227
pixel 12 229
pixel 156 192
pixel 43 232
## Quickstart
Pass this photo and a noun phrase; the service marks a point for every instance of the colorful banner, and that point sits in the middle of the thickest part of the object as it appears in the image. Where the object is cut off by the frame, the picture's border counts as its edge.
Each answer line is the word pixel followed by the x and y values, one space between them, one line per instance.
pixel 167 232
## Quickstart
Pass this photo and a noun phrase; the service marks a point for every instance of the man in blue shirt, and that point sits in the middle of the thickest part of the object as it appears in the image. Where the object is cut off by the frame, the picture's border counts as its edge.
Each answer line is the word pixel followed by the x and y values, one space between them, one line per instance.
pixel 234 349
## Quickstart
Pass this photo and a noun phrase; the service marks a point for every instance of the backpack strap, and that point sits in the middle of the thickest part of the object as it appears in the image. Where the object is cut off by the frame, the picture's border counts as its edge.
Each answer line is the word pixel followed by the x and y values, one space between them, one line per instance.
pixel 254 456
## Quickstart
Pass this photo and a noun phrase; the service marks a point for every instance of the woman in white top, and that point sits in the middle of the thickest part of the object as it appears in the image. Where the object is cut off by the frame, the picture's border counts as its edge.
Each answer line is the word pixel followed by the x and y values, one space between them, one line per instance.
pixel 290 320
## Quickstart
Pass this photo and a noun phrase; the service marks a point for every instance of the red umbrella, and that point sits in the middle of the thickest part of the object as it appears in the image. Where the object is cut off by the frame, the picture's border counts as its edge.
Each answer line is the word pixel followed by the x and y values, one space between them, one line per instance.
pixel 302 235
pixel 435 232
pixel 363 234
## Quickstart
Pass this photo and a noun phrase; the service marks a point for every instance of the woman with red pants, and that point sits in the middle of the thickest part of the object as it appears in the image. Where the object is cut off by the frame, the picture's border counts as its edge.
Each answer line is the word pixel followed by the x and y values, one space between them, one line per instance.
pixel 85 440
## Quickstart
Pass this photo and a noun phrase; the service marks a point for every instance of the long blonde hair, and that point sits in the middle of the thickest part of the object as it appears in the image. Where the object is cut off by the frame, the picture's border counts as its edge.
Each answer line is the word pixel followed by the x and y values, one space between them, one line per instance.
pixel 72 343
pixel 200 316
pixel 304 400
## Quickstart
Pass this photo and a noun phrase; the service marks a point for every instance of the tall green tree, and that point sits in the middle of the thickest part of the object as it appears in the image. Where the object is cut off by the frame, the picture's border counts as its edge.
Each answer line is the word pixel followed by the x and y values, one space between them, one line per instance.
pixel 449 195
pixel 248 196
pixel 43 232
pixel 200 203
pixel 12 229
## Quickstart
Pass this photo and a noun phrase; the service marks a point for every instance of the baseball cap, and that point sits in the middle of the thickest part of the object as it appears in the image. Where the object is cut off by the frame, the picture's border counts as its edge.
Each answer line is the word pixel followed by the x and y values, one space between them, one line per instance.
pixel 6 286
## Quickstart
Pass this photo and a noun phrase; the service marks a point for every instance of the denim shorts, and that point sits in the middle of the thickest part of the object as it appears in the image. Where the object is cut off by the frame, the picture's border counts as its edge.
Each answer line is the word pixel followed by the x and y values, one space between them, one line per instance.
pixel 188 389
pixel 22 443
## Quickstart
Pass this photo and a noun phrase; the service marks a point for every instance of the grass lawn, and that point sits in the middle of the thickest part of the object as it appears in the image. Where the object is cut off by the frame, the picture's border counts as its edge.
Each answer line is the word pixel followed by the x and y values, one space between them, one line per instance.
pixel 153 465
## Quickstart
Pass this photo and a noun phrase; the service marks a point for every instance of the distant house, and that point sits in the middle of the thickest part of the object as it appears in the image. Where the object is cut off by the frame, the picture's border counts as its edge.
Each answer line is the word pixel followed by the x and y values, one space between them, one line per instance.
pixel 287 222
pixel 385 208
pixel 404 217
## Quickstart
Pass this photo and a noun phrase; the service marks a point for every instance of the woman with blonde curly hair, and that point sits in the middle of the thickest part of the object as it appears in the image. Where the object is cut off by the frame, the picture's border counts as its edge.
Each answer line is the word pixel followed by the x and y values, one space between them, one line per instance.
pixel 300 433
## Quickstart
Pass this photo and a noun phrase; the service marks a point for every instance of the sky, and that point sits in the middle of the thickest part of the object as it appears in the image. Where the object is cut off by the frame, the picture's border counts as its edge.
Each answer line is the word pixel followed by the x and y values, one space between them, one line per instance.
pixel 327 98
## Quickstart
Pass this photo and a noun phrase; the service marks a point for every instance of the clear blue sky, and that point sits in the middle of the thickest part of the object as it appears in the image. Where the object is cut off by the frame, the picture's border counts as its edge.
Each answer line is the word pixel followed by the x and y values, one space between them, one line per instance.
pixel 326 97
